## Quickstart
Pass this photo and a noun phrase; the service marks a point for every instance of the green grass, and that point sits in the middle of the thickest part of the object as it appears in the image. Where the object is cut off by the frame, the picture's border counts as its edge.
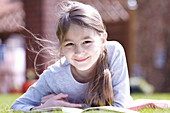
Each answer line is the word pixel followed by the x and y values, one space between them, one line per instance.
pixel 157 96
pixel 7 100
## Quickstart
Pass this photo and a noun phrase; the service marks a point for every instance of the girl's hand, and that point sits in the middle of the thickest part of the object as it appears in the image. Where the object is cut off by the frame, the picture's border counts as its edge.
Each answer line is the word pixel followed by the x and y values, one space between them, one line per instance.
pixel 45 98
pixel 54 100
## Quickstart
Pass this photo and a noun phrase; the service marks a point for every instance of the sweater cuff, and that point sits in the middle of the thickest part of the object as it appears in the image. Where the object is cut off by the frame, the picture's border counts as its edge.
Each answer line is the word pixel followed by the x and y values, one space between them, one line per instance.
pixel 22 108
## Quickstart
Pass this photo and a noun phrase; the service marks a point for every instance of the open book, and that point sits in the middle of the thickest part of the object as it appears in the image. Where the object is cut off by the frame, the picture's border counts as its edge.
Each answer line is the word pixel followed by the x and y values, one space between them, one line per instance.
pixel 78 110
pixel 132 108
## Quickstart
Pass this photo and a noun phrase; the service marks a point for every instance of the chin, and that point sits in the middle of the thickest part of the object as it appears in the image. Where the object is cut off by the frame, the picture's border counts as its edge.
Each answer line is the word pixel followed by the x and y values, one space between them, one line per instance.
pixel 83 68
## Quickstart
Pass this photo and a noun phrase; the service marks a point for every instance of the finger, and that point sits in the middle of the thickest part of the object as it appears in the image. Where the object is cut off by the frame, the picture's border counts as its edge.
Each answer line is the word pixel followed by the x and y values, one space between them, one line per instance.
pixel 60 96
pixel 43 101
pixel 48 96
pixel 53 96
pixel 68 104
pixel 45 98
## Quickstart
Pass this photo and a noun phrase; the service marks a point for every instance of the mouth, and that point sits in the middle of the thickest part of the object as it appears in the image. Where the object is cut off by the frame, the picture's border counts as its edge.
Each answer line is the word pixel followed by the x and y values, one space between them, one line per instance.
pixel 81 60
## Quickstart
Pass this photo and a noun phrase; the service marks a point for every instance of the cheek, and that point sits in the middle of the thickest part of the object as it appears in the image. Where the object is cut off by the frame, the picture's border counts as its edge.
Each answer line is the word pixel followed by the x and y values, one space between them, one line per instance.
pixel 66 52
pixel 95 49
pixel 94 53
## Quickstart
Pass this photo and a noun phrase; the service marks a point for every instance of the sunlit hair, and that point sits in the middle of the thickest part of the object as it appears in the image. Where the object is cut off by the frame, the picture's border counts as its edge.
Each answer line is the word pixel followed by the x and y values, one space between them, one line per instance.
pixel 99 91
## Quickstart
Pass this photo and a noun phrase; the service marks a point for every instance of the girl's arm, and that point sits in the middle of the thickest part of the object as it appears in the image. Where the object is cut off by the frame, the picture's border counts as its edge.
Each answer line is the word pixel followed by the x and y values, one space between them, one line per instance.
pixel 120 76
pixel 40 95
pixel 33 95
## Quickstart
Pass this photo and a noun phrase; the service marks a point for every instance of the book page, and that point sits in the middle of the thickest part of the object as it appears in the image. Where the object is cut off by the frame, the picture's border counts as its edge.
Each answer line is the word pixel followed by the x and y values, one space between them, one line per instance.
pixel 111 108
pixel 78 110
pixel 63 109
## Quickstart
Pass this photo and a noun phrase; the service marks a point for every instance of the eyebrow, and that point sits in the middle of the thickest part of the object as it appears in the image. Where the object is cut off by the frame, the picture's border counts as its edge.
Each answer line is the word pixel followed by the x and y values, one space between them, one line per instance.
pixel 86 37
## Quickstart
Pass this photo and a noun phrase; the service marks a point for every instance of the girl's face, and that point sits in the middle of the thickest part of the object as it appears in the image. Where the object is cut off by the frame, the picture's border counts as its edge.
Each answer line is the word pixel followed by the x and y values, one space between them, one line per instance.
pixel 82 47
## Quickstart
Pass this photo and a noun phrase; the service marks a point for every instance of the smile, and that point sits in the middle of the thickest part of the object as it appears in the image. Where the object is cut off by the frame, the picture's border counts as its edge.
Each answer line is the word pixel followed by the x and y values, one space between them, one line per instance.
pixel 81 60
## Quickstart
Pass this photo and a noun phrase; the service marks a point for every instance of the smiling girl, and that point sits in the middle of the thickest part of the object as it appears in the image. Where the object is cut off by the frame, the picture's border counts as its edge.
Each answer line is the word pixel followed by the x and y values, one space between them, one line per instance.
pixel 92 71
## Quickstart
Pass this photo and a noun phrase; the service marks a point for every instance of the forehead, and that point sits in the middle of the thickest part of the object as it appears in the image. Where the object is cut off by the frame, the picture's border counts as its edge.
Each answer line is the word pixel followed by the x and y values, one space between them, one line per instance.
pixel 77 31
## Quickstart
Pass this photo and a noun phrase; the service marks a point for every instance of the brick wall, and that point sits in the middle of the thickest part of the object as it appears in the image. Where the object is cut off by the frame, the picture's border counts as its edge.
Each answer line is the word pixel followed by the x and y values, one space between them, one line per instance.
pixel 34 22
pixel 41 21
pixel 152 42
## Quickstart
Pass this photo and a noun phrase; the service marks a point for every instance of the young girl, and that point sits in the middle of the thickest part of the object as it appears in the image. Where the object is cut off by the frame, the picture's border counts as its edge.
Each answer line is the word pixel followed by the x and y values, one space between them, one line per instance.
pixel 92 71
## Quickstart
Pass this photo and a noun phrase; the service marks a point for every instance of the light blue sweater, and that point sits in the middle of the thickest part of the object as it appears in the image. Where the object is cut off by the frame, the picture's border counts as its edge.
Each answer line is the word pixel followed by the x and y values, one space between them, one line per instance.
pixel 59 79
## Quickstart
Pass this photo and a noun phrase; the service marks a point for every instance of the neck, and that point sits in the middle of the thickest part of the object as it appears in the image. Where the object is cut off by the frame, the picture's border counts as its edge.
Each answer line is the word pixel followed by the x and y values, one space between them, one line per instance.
pixel 83 76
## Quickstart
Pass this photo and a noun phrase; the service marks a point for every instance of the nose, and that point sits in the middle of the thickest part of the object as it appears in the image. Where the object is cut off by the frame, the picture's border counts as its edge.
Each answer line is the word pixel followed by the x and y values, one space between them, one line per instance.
pixel 78 49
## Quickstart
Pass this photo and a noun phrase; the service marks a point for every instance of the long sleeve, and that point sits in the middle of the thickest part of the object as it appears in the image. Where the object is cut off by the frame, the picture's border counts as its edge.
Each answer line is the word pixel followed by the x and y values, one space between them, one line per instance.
pixel 33 95
pixel 120 76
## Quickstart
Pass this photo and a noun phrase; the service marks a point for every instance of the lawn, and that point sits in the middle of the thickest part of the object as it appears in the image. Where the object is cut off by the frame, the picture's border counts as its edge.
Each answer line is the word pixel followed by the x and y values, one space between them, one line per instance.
pixel 7 100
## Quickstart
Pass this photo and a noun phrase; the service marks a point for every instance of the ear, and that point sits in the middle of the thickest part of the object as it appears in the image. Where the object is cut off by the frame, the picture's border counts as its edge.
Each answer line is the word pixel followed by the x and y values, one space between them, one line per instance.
pixel 105 34
pixel 104 37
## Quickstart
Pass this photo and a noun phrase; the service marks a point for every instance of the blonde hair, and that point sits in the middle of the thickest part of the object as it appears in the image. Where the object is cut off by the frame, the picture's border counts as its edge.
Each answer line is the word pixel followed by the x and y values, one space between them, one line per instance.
pixel 99 91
